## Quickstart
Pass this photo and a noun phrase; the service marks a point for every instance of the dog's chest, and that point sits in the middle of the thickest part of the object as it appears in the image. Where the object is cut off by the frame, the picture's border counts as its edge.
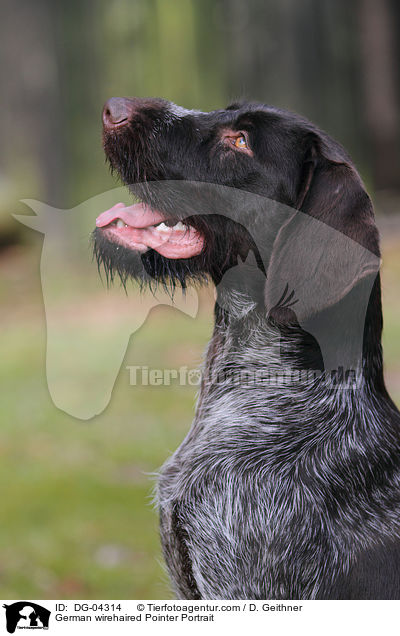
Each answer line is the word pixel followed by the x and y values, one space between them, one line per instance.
pixel 231 507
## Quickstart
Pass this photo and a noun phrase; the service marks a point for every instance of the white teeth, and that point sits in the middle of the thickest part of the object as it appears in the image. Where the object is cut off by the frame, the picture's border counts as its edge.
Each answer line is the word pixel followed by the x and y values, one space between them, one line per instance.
pixel 163 228
pixel 179 226
pixel 120 223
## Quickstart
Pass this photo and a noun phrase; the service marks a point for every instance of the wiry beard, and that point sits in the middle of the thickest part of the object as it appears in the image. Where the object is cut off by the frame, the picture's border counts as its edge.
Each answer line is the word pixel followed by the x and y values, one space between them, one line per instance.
pixel 148 269
pixel 152 269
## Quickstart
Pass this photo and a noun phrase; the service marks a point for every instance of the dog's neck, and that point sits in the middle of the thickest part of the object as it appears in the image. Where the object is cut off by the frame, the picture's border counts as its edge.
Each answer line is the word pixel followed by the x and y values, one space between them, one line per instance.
pixel 280 367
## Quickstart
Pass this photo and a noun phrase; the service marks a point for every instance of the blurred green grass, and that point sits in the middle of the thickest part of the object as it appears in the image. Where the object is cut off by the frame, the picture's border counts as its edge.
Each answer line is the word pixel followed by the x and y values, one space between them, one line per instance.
pixel 77 517
pixel 77 513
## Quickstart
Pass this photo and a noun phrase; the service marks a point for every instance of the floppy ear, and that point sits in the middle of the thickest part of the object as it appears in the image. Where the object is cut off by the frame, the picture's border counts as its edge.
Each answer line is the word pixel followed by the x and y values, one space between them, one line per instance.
pixel 330 244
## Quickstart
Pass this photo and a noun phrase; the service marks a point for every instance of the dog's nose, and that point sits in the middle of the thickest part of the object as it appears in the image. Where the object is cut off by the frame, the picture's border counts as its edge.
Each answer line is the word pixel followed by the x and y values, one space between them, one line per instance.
pixel 117 111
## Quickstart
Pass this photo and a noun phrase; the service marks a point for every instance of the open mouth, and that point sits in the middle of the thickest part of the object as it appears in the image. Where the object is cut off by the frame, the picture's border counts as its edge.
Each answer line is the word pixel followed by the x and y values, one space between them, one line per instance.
pixel 138 227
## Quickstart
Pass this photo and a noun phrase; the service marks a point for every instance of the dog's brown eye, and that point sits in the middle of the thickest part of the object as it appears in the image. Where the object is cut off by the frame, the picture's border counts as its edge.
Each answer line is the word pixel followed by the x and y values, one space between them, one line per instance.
pixel 238 139
pixel 240 142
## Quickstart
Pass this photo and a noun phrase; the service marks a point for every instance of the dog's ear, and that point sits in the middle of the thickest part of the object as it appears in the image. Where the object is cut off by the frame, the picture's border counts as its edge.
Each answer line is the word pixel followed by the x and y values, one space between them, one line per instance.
pixel 330 244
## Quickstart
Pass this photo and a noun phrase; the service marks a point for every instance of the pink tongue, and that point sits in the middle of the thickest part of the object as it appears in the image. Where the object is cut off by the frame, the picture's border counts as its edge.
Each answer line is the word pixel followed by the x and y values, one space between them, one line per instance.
pixel 138 215
pixel 141 233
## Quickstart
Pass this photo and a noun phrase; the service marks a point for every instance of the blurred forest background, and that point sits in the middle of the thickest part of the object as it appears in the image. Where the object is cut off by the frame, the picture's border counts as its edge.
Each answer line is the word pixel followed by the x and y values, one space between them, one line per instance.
pixel 77 519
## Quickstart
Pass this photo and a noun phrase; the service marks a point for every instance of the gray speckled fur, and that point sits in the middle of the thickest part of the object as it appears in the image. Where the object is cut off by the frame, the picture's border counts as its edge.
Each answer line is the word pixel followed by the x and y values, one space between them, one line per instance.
pixel 270 488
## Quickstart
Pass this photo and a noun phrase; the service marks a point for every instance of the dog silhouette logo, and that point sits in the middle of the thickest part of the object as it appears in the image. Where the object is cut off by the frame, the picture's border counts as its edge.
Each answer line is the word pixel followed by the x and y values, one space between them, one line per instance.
pixel 26 615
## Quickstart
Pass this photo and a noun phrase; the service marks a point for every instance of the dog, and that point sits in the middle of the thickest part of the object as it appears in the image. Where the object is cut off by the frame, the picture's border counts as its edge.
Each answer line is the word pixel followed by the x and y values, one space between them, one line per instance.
pixel 286 490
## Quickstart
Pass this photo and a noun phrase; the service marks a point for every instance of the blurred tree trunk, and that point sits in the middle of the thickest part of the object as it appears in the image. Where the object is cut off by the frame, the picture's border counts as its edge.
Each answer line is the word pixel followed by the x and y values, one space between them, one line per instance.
pixel 78 44
pixel 49 75
pixel 33 148
pixel 381 106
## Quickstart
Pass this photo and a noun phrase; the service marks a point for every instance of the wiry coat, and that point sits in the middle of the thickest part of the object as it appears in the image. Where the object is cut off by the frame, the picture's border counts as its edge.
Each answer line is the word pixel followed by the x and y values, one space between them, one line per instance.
pixel 280 490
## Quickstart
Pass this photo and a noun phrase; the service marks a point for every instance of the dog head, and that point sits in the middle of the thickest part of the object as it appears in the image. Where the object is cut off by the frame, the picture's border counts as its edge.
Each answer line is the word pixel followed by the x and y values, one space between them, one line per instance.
pixel 180 230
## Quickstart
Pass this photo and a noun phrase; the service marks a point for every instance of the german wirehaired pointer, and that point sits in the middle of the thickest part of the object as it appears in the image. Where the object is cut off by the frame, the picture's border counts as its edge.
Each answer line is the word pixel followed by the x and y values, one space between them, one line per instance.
pixel 286 489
